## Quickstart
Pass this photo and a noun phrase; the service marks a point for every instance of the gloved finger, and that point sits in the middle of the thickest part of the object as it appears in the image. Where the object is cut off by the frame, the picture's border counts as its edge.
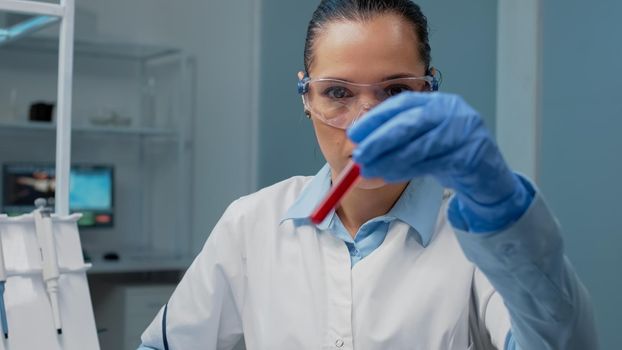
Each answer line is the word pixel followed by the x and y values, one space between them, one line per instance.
pixel 444 138
pixel 387 169
pixel 427 155
pixel 454 162
pixel 397 132
pixel 443 134
pixel 390 135
pixel 439 167
pixel 385 111
pixel 391 168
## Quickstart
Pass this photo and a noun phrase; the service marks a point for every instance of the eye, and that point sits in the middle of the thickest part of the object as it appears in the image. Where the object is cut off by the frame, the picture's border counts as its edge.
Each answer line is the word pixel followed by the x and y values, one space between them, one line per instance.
pixel 337 92
pixel 393 90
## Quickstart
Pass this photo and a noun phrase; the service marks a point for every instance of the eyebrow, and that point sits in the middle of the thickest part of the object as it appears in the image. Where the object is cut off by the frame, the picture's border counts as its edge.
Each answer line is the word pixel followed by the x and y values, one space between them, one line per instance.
pixel 399 75
pixel 390 77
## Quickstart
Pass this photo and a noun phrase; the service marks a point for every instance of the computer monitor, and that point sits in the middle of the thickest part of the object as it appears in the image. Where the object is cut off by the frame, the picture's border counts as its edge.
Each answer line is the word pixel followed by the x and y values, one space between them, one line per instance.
pixel 91 190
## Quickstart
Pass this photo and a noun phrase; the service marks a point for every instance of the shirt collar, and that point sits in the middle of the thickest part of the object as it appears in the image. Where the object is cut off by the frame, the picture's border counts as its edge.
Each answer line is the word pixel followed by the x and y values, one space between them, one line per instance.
pixel 310 197
pixel 418 206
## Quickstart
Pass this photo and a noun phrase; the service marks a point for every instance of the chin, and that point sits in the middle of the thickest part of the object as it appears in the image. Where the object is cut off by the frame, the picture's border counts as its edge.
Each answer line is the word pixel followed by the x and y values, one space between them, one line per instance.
pixel 370 184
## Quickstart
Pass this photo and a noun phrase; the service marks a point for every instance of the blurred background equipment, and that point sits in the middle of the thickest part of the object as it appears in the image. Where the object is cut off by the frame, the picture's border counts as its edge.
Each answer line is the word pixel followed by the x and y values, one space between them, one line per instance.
pixel 46 294
pixel 91 190
pixel 41 112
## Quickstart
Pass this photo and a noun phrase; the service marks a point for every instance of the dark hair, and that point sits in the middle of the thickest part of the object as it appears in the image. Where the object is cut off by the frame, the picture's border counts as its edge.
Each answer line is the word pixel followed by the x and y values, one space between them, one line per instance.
pixel 361 10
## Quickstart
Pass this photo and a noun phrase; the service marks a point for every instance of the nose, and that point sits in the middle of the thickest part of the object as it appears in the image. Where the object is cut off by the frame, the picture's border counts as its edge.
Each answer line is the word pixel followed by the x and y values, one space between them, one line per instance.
pixel 364 108
pixel 370 98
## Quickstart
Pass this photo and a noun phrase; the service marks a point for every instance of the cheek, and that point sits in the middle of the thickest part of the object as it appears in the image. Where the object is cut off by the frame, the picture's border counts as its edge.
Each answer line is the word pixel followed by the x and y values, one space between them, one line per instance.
pixel 332 141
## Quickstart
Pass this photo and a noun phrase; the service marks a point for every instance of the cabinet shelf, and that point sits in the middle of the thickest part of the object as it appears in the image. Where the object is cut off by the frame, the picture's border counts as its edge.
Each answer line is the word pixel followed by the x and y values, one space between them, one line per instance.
pixel 129 265
pixel 51 127
pixel 94 48
pixel 26 27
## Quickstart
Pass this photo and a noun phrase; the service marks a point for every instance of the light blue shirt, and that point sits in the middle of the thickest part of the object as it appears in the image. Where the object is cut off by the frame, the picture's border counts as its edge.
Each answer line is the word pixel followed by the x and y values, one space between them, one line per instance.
pixel 525 263
pixel 418 206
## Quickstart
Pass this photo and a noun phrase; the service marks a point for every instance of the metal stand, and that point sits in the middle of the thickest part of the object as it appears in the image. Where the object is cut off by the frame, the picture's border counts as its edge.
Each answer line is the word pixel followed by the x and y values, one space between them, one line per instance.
pixel 65 12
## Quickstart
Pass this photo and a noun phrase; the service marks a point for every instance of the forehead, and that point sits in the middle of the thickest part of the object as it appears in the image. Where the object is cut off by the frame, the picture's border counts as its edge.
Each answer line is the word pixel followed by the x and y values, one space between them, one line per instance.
pixel 368 50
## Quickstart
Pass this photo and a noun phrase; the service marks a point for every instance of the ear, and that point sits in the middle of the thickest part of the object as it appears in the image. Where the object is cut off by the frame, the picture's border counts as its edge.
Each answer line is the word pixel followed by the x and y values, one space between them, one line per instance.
pixel 306 111
pixel 301 75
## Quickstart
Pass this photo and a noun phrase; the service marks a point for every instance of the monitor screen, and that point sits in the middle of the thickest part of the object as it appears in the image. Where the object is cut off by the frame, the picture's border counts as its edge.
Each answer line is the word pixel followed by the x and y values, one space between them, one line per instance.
pixel 90 190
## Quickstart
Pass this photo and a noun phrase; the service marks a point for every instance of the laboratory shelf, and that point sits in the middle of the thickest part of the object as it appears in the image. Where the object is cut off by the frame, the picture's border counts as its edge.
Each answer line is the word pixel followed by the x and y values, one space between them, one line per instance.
pixel 33 7
pixel 51 127
pixel 131 265
pixel 95 48
pixel 27 26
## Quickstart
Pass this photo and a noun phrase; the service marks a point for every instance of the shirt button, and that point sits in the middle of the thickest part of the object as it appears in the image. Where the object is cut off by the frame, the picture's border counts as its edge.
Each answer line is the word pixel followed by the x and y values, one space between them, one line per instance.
pixel 339 343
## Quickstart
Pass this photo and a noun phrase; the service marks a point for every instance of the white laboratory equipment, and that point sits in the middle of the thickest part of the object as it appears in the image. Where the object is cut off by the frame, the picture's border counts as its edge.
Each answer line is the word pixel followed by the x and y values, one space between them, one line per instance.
pixel 30 315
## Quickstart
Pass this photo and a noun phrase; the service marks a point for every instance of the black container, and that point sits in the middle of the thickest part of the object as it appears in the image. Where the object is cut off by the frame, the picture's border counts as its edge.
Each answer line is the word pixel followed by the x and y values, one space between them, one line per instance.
pixel 41 112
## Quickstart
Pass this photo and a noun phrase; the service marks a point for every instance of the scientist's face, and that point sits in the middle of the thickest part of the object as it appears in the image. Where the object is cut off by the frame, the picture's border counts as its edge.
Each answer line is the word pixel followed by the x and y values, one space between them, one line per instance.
pixel 361 52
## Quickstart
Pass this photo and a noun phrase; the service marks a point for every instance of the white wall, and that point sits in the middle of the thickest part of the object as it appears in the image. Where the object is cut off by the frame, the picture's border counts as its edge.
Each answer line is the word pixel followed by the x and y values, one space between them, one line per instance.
pixel 519 83
pixel 580 165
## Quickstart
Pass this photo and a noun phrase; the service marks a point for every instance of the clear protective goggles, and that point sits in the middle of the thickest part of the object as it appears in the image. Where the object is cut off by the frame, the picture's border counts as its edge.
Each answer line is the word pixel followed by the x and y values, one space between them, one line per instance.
pixel 340 103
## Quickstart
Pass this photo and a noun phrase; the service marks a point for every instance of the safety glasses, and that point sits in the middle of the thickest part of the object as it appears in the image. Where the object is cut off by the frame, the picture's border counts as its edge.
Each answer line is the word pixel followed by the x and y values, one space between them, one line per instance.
pixel 340 103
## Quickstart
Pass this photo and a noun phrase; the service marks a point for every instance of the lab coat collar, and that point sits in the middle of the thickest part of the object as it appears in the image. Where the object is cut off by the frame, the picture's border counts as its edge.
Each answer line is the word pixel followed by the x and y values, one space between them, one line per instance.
pixel 418 206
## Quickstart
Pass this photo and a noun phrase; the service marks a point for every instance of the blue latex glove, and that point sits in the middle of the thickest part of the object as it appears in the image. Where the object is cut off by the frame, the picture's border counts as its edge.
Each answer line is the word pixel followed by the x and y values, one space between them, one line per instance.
pixel 439 134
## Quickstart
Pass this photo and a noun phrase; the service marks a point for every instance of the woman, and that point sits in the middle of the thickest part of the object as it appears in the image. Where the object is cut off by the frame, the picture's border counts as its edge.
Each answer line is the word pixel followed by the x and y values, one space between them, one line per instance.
pixel 398 265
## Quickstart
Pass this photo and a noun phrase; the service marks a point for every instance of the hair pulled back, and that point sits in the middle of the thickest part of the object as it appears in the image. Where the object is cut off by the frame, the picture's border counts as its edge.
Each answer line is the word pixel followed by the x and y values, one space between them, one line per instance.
pixel 363 10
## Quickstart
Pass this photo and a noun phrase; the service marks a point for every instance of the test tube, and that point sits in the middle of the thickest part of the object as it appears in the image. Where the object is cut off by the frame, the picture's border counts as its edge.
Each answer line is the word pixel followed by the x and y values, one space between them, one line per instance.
pixel 343 184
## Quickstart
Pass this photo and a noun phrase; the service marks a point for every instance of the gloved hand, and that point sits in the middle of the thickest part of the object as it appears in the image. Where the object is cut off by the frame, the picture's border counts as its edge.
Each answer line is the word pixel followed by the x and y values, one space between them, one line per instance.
pixel 439 134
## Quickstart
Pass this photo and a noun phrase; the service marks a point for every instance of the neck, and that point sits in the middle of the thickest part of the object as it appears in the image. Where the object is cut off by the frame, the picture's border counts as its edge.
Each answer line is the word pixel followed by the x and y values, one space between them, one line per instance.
pixel 361 205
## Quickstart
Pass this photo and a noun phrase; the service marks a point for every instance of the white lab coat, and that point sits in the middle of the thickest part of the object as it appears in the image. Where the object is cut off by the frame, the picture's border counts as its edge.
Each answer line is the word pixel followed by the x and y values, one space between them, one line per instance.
pixel 287 287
